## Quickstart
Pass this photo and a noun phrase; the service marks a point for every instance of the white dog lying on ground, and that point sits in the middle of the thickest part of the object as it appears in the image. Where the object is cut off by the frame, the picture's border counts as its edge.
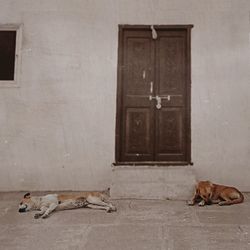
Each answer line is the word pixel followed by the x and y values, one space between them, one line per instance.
pixel 48 203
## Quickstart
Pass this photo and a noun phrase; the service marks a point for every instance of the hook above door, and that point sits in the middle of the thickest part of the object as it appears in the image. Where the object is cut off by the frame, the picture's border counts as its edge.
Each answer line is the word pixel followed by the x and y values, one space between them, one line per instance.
pixel 154 33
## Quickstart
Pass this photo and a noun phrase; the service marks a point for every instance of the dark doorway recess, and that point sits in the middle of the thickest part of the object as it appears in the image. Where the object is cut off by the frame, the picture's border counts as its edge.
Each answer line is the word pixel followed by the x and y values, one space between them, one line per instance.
pixel 153 95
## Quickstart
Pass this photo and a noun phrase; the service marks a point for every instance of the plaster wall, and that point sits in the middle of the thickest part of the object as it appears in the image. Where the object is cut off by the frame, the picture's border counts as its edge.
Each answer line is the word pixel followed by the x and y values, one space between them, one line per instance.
pixel 57 130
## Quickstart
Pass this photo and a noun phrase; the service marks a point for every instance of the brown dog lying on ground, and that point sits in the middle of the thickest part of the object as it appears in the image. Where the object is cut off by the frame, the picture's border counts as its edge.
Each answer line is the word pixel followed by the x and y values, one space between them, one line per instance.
pixel 48 203
pixel 209 193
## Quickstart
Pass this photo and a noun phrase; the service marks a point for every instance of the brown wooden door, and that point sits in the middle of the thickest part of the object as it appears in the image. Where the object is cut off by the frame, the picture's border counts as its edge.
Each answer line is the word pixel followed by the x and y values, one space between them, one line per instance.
pixel 153 100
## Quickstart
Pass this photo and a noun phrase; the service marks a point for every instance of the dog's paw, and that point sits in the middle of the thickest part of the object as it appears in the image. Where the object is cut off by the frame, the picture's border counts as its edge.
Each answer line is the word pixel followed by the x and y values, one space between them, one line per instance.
pixel 109 210
pixel 190 203
pixel 222 203
pixel 44 216
pixel 202 203
pixel 113 208
pixel 37 216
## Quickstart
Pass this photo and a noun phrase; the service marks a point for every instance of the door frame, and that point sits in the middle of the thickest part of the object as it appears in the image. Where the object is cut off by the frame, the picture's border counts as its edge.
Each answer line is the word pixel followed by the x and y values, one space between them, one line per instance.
pixel 118 130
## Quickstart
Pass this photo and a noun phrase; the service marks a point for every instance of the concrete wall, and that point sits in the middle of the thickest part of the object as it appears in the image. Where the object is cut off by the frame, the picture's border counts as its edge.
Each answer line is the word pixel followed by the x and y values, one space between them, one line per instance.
pixel 57 130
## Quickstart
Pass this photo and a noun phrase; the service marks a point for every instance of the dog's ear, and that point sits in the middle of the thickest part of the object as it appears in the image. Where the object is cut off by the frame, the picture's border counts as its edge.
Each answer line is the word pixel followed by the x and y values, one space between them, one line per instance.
pixel 107 191
pixel 27 195
pixel 210 183
pixel 197 188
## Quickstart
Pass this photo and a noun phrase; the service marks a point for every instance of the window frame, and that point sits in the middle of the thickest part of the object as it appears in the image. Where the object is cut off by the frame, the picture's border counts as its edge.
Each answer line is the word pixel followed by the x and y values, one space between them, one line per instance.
pixel 18 28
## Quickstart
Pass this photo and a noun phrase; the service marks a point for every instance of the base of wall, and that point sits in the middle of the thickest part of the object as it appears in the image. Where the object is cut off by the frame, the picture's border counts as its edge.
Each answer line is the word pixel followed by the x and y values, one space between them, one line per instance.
pixel 152 182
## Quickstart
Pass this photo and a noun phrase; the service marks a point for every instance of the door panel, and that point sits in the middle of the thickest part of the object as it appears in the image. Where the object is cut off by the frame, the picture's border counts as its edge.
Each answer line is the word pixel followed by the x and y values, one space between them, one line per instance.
pixel 171 81
pixel 137 131
pixel 170 136
pixel 138 74
pixel 153 98
pixel 137 116
pixel 171 63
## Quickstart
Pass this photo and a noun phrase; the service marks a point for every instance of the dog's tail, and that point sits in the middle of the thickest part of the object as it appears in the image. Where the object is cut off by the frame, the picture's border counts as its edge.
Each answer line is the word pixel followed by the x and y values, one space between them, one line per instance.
pixel 237 200
pixel 240 199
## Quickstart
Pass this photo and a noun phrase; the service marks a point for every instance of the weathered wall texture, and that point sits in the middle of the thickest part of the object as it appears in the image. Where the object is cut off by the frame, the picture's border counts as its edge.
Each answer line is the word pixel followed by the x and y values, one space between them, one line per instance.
pixel 57 130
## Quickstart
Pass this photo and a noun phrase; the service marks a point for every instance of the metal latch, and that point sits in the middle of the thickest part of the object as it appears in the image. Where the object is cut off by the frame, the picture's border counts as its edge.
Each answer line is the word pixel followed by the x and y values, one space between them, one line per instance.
pixel 158 99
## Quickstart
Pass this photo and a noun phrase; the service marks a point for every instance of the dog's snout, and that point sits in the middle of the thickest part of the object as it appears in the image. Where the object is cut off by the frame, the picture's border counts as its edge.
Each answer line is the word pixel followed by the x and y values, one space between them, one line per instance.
pixel 22 210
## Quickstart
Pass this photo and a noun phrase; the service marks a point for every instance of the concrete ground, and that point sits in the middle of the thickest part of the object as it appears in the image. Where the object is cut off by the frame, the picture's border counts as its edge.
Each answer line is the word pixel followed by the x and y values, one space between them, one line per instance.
pixel 138 225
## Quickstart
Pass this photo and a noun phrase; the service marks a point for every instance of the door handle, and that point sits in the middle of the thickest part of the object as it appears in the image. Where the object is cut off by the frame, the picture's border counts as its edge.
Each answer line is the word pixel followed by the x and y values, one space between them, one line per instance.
pixel 151 87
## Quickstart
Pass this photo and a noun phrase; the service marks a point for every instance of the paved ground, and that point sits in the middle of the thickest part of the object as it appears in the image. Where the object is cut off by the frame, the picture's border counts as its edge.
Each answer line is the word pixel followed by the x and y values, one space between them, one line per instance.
pixel 138 225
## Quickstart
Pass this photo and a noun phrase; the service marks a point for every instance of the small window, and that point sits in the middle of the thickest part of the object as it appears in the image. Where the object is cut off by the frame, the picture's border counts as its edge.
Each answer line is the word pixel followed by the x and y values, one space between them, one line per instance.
pixel 7 54
pixel 10 41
